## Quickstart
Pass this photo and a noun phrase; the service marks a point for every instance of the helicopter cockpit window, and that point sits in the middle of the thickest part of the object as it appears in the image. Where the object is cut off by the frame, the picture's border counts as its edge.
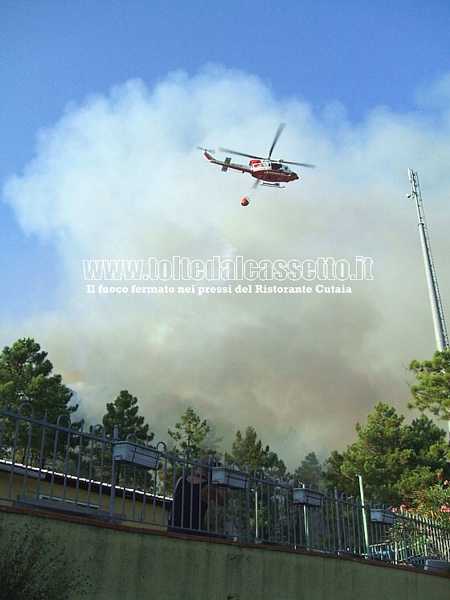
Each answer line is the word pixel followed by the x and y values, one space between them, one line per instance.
pixel 276 166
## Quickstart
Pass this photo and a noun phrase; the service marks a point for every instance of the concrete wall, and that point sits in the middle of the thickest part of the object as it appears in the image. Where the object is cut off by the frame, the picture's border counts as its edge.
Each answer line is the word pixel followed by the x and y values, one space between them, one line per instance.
pixel 130 564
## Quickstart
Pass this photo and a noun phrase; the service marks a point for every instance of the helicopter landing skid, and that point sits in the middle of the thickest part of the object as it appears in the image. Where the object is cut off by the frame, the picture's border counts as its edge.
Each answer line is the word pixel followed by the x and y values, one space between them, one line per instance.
pixel 275 185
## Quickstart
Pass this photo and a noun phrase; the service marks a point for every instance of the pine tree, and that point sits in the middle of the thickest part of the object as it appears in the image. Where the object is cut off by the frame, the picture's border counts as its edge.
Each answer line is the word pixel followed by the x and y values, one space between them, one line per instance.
pixel 395 460
pixel 27 384
pixel 26 377
pixel 432 393
pixel 192 436
pixel 310 472
pixel 123 412
pixel 248 451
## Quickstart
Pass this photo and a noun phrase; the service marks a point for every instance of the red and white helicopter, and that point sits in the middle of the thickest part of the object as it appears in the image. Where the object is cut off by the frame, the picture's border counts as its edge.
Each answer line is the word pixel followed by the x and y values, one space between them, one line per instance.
pixel 268 172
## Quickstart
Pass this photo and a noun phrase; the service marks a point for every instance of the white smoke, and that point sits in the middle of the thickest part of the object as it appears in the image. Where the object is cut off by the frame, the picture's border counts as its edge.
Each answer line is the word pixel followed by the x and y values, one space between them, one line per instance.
pixel 120 177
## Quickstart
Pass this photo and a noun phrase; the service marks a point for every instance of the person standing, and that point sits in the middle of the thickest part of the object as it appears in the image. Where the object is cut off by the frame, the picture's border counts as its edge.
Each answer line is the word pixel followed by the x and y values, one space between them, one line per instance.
pixel 192 497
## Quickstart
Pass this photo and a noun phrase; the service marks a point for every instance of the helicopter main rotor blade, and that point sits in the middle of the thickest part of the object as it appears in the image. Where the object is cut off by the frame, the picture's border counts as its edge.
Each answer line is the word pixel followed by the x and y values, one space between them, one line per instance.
pixel 228 151
pixel 277 135
pixel 288 162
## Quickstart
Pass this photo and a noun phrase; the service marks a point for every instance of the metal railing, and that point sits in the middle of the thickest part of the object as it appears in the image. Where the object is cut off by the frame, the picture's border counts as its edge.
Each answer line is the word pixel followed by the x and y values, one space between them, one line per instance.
pixel 61 467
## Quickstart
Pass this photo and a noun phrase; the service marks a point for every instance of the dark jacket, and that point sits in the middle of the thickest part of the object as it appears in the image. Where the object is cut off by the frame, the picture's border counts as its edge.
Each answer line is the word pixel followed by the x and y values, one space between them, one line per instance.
pixel 188 508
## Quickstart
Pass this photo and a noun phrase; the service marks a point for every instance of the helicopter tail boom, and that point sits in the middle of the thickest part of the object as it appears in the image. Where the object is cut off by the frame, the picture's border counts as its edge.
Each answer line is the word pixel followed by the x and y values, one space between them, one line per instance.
pixel 226 164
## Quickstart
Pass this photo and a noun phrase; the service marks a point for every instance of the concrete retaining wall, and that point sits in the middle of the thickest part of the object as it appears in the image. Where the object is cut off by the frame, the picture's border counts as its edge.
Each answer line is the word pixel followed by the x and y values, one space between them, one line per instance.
pixel 130 564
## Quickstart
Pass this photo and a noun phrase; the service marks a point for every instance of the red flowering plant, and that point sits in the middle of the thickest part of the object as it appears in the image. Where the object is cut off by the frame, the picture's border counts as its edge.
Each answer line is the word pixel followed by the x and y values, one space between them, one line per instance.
pixel 434 503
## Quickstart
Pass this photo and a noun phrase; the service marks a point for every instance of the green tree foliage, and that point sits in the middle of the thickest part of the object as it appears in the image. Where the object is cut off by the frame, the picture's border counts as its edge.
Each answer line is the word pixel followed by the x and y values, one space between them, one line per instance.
pixel 192 435
pixel 395 460
pixel 427 443
pixel 432 392
pixel 310 472
pixel 249 450
pixel 123 412
pixel 332 472
pixel 26 376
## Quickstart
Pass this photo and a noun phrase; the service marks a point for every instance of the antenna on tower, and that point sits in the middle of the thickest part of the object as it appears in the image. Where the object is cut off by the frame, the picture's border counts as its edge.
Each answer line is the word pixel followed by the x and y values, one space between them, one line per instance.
pixel 440 330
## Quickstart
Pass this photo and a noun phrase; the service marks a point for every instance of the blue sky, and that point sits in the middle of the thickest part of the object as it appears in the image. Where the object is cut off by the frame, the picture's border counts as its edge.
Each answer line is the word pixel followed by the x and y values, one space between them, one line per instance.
pixel 365 90
pixel 361 54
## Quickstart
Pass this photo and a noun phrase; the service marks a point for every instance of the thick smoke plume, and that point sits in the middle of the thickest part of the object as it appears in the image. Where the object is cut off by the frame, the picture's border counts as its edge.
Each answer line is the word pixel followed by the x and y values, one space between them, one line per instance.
pixel 120 177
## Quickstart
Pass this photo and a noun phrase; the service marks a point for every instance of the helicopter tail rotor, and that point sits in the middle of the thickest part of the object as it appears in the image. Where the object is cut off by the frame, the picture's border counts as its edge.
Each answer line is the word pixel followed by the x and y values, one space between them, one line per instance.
pixel 205 149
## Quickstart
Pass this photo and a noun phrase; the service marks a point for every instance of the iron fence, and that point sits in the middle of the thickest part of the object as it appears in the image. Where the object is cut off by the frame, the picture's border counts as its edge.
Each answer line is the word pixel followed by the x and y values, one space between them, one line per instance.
pixel 62 467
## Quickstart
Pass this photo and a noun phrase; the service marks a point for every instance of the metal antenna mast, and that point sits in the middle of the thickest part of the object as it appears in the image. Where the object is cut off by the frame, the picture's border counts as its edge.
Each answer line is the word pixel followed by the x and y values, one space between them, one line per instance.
pixel 440 330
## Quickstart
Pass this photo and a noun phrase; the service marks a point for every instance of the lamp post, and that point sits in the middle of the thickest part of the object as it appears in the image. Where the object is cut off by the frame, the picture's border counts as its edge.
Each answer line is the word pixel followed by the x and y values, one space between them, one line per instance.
pixel 364 515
